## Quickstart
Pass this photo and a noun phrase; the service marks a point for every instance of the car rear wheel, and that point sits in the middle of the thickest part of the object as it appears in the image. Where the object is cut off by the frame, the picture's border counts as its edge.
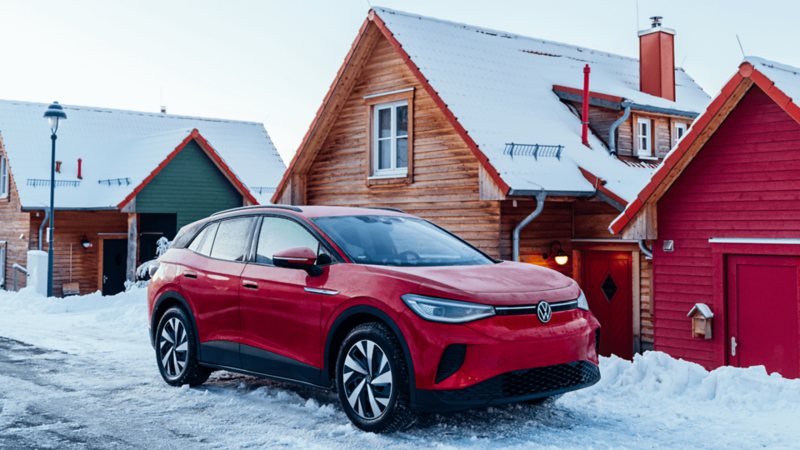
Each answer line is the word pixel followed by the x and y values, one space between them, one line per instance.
pixel 372 379
pixel 176 350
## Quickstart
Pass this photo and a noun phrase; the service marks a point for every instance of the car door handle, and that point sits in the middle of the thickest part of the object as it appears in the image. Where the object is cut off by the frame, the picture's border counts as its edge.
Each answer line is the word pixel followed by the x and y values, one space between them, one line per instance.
pixel 190 274
pixel 250 284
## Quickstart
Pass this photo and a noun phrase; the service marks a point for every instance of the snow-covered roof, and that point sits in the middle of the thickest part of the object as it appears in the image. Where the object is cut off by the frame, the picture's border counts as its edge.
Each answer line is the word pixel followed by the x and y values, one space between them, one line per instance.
pixel 500 88
pixel 120 146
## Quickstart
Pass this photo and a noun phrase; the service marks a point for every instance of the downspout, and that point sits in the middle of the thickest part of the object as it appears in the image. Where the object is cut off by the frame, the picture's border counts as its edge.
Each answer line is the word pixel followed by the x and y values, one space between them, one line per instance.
pixel 539 206
pixel 643 247
pixel 46 214
pixel 612 132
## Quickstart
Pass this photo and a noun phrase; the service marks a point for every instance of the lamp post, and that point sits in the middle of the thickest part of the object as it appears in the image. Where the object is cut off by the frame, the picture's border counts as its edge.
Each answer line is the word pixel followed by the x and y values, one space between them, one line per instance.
pixel 54 114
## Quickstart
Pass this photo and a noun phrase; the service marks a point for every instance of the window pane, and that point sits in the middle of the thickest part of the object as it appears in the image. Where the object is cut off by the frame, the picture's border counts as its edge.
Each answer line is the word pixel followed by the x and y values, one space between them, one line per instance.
pixel 202 242
pixel 385 154
pixel 643 143
pixel 232 239
pixel 278 235
pixel 385 123
pixel 402 152
pixel 402 120
pixel 398 241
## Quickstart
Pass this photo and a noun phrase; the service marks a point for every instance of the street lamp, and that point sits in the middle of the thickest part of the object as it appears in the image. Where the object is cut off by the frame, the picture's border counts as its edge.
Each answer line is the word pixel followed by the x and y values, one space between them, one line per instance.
pixel 54 115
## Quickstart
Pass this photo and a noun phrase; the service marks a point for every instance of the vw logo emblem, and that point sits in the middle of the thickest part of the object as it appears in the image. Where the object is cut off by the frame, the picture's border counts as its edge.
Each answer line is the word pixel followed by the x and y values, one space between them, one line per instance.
pixel 544 312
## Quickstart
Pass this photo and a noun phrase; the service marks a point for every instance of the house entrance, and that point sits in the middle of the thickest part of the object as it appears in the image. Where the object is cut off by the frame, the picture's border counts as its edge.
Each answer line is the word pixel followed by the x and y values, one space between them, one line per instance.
pixel 115 258
pixel 607 286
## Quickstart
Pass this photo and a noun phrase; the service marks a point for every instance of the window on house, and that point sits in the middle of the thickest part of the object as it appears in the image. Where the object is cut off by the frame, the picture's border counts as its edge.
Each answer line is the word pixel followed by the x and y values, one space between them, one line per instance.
pixel 645 137
pixel 680 130
pixel 3 177
pixel 390 139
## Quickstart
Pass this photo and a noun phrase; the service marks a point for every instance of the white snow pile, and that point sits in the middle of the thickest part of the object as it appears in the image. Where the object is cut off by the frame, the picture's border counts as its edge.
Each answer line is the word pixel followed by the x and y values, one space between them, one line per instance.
pixel 654 401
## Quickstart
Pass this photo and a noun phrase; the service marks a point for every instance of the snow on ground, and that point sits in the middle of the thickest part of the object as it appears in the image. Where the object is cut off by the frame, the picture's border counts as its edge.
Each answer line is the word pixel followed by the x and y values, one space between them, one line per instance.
pixel 80 373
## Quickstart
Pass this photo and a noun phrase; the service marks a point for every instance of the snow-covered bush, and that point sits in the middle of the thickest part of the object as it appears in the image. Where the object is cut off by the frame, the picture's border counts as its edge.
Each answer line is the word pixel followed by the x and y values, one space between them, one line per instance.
pixel 142 276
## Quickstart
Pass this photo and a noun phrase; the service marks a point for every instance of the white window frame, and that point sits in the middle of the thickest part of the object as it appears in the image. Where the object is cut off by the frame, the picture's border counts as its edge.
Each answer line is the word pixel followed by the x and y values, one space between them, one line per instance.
pixel 648 137
pixel 3 265
pixel 394 171
pixel 4 183
pixel 682 128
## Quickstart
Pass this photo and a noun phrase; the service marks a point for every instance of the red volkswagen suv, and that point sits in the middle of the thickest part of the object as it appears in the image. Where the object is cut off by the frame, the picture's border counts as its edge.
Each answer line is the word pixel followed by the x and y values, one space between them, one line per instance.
pixel 395 314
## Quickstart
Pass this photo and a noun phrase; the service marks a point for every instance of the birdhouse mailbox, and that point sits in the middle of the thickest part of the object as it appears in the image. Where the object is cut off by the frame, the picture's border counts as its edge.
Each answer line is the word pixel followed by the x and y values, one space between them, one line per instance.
pixel 702 320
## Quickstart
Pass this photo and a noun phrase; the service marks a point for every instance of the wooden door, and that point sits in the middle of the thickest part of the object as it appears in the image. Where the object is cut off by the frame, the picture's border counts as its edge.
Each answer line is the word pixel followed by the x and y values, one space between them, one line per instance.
pixel 115 265
pixel 607 285
pixel 762 308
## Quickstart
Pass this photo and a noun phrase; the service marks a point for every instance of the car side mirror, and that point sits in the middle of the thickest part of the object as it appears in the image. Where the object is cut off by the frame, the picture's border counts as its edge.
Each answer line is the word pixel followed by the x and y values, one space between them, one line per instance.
pixel 302 258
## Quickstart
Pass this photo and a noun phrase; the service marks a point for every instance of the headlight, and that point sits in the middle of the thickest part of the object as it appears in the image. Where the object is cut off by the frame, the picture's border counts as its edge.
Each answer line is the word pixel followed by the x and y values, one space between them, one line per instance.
pixel 582 303
pixel 447 311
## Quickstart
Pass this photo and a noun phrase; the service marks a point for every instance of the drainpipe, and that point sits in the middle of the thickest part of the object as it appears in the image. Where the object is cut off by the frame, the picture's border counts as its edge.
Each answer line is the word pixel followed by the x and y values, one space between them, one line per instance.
pixel 46 214
pixel 585 115
pixel 612 141
pixel 643 247
pixel 539 206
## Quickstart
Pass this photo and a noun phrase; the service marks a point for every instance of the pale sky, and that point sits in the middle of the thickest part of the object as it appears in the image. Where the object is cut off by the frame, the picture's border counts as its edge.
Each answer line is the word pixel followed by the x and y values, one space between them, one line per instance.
pixel 273 61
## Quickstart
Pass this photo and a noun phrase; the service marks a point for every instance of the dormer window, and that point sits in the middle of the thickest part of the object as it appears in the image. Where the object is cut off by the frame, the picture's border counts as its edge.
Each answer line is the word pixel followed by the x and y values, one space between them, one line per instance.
pixel 390 141
pixel 3 177
pixel 644 137
pixel 680 131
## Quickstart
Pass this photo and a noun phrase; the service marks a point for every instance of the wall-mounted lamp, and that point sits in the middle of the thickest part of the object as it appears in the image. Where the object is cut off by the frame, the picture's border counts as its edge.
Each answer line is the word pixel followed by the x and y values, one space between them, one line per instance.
pixel 85 242
pixel 561 257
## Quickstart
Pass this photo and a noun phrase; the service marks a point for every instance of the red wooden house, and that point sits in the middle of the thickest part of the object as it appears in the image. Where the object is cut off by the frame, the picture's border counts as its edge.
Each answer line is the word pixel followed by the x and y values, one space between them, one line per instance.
pixel 722 213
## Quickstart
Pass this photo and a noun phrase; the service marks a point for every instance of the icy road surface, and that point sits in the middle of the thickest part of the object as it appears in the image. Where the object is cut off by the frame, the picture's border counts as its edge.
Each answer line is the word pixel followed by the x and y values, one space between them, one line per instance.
pixel 80 373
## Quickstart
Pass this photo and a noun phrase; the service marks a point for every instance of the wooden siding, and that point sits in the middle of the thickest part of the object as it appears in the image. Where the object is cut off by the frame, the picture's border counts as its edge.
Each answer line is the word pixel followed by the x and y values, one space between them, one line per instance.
pixel 592 219
pixel 625 138
pixel 190 185
pixel 14 225
pixel 445 188
pixel 743 183
pixel 645 303
pixel 553 224
pixel 70 228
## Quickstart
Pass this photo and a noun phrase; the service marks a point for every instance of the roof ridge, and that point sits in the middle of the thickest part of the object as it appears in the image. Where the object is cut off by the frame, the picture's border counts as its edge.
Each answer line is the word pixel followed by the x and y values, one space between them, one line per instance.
pixel 131 112
pixel 508 35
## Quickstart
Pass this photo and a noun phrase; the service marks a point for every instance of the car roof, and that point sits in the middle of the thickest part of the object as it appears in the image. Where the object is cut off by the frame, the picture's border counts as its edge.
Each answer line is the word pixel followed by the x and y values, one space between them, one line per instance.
pixel 311 212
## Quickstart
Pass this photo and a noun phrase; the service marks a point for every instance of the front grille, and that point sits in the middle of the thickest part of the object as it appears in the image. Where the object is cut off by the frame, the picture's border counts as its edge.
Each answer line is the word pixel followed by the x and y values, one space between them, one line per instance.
pixel 452 360
pixel 597 341
pixel 521 383
pixel 531 309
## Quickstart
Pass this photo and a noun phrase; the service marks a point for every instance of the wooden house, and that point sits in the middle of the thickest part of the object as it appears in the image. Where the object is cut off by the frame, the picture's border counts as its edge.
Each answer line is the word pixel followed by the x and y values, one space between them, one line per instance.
pixel 467 127
pixel 722 213
pixel 124 179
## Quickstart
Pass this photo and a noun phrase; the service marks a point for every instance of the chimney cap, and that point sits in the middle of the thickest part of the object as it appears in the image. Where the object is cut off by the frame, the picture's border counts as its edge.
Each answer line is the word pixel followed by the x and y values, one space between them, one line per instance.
pixel 656 21
pixel 163 110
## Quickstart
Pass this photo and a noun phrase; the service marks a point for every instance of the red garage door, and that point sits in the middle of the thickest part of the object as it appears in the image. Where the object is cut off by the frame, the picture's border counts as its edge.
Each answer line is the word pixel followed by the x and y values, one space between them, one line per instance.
pixel 762 313
pixel 607 285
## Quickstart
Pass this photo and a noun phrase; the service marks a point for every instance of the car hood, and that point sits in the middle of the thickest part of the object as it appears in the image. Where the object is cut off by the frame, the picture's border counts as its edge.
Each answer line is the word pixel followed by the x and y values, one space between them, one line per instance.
pixel 506 283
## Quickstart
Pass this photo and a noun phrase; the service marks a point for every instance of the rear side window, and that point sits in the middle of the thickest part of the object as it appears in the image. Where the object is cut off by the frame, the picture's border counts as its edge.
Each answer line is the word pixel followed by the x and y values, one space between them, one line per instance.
pixel 232 239
pixel 203 241
pixel 278 234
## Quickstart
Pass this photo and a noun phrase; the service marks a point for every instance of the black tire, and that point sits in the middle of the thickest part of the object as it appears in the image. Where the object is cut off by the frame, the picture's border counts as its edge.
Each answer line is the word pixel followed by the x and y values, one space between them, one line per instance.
pixel 396 414
pixel 176 321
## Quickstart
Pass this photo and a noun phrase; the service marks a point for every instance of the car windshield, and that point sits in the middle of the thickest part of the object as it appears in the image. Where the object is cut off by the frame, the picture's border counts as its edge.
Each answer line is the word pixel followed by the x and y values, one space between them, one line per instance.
pixel 398 241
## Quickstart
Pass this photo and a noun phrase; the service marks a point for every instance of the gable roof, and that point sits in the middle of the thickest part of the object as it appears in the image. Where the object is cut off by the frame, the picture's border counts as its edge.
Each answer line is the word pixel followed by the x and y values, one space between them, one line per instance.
pixel 121 147
pixel 497 88
pixel 780 82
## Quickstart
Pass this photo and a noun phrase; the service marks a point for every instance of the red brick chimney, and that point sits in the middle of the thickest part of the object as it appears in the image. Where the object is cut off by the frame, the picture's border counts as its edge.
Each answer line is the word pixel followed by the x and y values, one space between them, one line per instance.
pixel 657 61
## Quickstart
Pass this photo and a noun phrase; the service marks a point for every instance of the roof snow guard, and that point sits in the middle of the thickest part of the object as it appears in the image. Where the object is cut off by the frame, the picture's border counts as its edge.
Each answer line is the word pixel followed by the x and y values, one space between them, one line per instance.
pixel 456 65
pixel 534 150
pixel 778 81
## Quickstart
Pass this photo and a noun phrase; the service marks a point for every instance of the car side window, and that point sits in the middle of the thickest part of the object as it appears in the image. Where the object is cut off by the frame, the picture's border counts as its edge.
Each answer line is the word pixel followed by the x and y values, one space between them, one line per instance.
pixel 204 240
pixel 278 234
pixel 233 239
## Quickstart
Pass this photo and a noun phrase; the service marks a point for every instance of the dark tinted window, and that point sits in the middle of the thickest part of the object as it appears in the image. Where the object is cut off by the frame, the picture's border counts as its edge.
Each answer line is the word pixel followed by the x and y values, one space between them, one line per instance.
pixel 398 241
pixel 278 234
pixel 232 239
pixel 203 241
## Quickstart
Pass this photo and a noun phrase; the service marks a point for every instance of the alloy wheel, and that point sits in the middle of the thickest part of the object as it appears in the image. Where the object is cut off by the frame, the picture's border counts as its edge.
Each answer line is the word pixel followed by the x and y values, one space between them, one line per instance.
pixel 367 379
pixel 174 347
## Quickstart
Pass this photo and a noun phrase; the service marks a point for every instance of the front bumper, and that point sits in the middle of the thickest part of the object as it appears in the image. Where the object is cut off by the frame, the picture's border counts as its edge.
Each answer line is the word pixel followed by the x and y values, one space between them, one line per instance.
pixel 512 387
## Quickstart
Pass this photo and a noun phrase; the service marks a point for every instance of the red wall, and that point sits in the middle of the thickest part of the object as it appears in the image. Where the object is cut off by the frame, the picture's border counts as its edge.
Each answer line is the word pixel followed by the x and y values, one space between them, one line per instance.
pixel 744 183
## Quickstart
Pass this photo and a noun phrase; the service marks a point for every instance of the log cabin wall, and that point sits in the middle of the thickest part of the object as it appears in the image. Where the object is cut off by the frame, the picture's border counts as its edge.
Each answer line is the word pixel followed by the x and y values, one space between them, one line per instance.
pixel 14 225
pixel 71 226
pixel 553 224
pixel 445 183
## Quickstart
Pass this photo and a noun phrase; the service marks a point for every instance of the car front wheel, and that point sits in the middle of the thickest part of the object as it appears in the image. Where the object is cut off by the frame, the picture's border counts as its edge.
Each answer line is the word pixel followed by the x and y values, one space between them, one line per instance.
pixel 372 379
